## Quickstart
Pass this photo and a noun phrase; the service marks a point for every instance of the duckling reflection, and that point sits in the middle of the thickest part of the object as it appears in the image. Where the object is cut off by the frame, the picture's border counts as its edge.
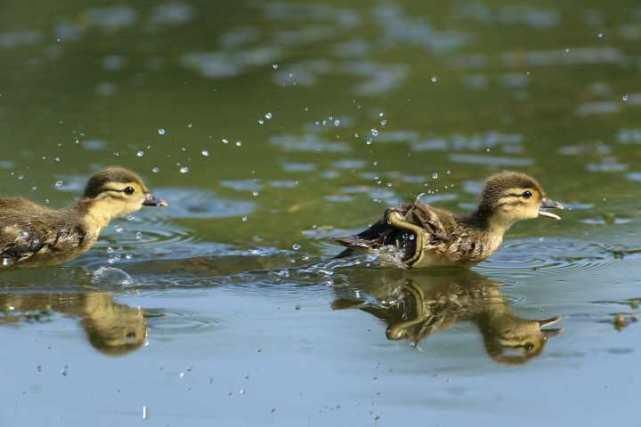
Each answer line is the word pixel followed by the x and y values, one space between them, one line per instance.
pixel 113 329
pixel 415 306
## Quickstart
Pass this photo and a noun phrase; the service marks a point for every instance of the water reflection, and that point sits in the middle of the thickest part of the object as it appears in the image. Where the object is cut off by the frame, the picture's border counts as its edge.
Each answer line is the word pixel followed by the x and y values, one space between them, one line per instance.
pixel 418 304
pixel 112 328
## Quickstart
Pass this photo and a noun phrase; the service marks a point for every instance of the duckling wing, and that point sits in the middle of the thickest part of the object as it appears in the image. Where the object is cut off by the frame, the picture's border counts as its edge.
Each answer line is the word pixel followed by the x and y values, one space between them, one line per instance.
pixel 25 238
pixel 434 221
pixel 381 233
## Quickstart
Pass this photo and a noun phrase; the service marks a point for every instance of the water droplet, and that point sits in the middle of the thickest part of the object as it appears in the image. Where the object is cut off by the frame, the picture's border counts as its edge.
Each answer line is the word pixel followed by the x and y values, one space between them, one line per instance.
pixel 224 141
pixel 261 122
pixel 435 175
pixel 296 246
pixel 6 262
pixel 374 132
pixel 625 97
pixel 255 193
pixel 162 131
pixel 434 79
pixel 140 153
pixel 238 143
pixel 144 412
pixel 244 219
pixel 600 35
pixel 567 50
pixel 155 169
pixel 275 66
pixel 268 116
pixel 119 229
pixel 59 184
pixel 337 123
pixel 205 153
pixel 138 235
pixel 184 169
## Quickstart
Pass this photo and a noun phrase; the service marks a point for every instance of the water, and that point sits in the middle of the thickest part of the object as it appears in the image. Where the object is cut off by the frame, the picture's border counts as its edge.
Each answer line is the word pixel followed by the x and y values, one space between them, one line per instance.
pixel 275 126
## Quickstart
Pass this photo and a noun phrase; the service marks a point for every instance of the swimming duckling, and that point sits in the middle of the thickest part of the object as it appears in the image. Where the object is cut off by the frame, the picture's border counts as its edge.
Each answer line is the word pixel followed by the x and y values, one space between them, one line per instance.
pixel 429 236
pixel 32 234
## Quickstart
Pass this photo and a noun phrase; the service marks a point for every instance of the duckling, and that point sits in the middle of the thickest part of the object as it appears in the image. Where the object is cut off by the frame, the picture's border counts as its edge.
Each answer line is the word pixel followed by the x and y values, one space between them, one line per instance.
pixel 112 328
pixel 419 304
pixel 32 234
pixel 429 236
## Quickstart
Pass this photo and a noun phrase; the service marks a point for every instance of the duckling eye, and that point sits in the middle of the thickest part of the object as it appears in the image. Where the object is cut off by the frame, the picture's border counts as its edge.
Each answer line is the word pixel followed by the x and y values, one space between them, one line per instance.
pixel 527 194
pixel 529 347
pixel 129 191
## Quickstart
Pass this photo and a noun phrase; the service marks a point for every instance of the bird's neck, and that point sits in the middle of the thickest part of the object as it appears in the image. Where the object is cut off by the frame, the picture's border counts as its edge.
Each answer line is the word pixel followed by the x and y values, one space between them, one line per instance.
pixel 488 222
pixel 96 214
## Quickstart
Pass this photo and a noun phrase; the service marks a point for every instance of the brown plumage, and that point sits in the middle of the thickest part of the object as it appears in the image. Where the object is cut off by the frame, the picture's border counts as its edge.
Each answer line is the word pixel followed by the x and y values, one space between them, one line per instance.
pixel 112 328
pixel 32 234
pixel 416 305
pixel 429 236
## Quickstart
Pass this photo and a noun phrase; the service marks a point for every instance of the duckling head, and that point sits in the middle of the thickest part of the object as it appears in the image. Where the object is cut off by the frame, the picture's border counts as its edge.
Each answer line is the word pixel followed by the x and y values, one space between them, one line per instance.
pixel 113 329
pixel 509 197
pixel 115 192
pixel 513 340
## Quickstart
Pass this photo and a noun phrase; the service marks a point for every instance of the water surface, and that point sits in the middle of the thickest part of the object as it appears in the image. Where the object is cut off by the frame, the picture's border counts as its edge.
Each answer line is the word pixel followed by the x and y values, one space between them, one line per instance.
pixel 272 127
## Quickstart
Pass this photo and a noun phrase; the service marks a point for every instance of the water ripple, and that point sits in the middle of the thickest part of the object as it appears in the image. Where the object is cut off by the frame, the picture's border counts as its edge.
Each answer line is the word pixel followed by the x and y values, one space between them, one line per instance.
pixel 528 257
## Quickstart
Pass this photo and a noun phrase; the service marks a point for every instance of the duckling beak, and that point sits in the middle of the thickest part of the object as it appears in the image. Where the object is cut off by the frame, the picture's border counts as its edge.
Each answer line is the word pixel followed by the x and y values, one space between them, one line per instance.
pixel 549 333
pixel 151 200
pixel 548 322
pixel 549 204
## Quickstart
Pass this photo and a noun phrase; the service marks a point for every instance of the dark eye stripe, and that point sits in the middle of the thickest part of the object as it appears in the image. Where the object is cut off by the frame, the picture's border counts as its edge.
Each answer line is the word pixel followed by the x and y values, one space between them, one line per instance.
pixel 518 194
pixel 116 190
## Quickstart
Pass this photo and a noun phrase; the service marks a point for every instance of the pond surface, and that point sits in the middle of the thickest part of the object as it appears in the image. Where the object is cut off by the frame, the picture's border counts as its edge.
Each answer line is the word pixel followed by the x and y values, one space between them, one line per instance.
pixel 272 127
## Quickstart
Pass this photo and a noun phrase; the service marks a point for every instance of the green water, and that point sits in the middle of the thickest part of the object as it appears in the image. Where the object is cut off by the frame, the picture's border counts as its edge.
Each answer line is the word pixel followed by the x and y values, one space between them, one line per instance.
pixel 273 126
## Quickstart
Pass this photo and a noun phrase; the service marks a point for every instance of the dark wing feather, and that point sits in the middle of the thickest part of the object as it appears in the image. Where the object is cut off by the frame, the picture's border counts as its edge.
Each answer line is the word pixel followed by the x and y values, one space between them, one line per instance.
pixel 381 233
pixel 430 219
pixel 25 238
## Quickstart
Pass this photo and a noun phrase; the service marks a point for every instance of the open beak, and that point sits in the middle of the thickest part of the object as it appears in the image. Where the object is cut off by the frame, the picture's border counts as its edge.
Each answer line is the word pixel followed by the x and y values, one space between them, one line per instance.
pixel 151 200
pixel 548 322
pixel 549 204
pixel 548 333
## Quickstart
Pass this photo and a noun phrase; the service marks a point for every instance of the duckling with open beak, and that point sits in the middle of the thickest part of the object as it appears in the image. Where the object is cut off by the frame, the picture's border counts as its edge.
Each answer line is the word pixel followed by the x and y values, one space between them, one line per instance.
pixel 32 234
pixel 429 236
